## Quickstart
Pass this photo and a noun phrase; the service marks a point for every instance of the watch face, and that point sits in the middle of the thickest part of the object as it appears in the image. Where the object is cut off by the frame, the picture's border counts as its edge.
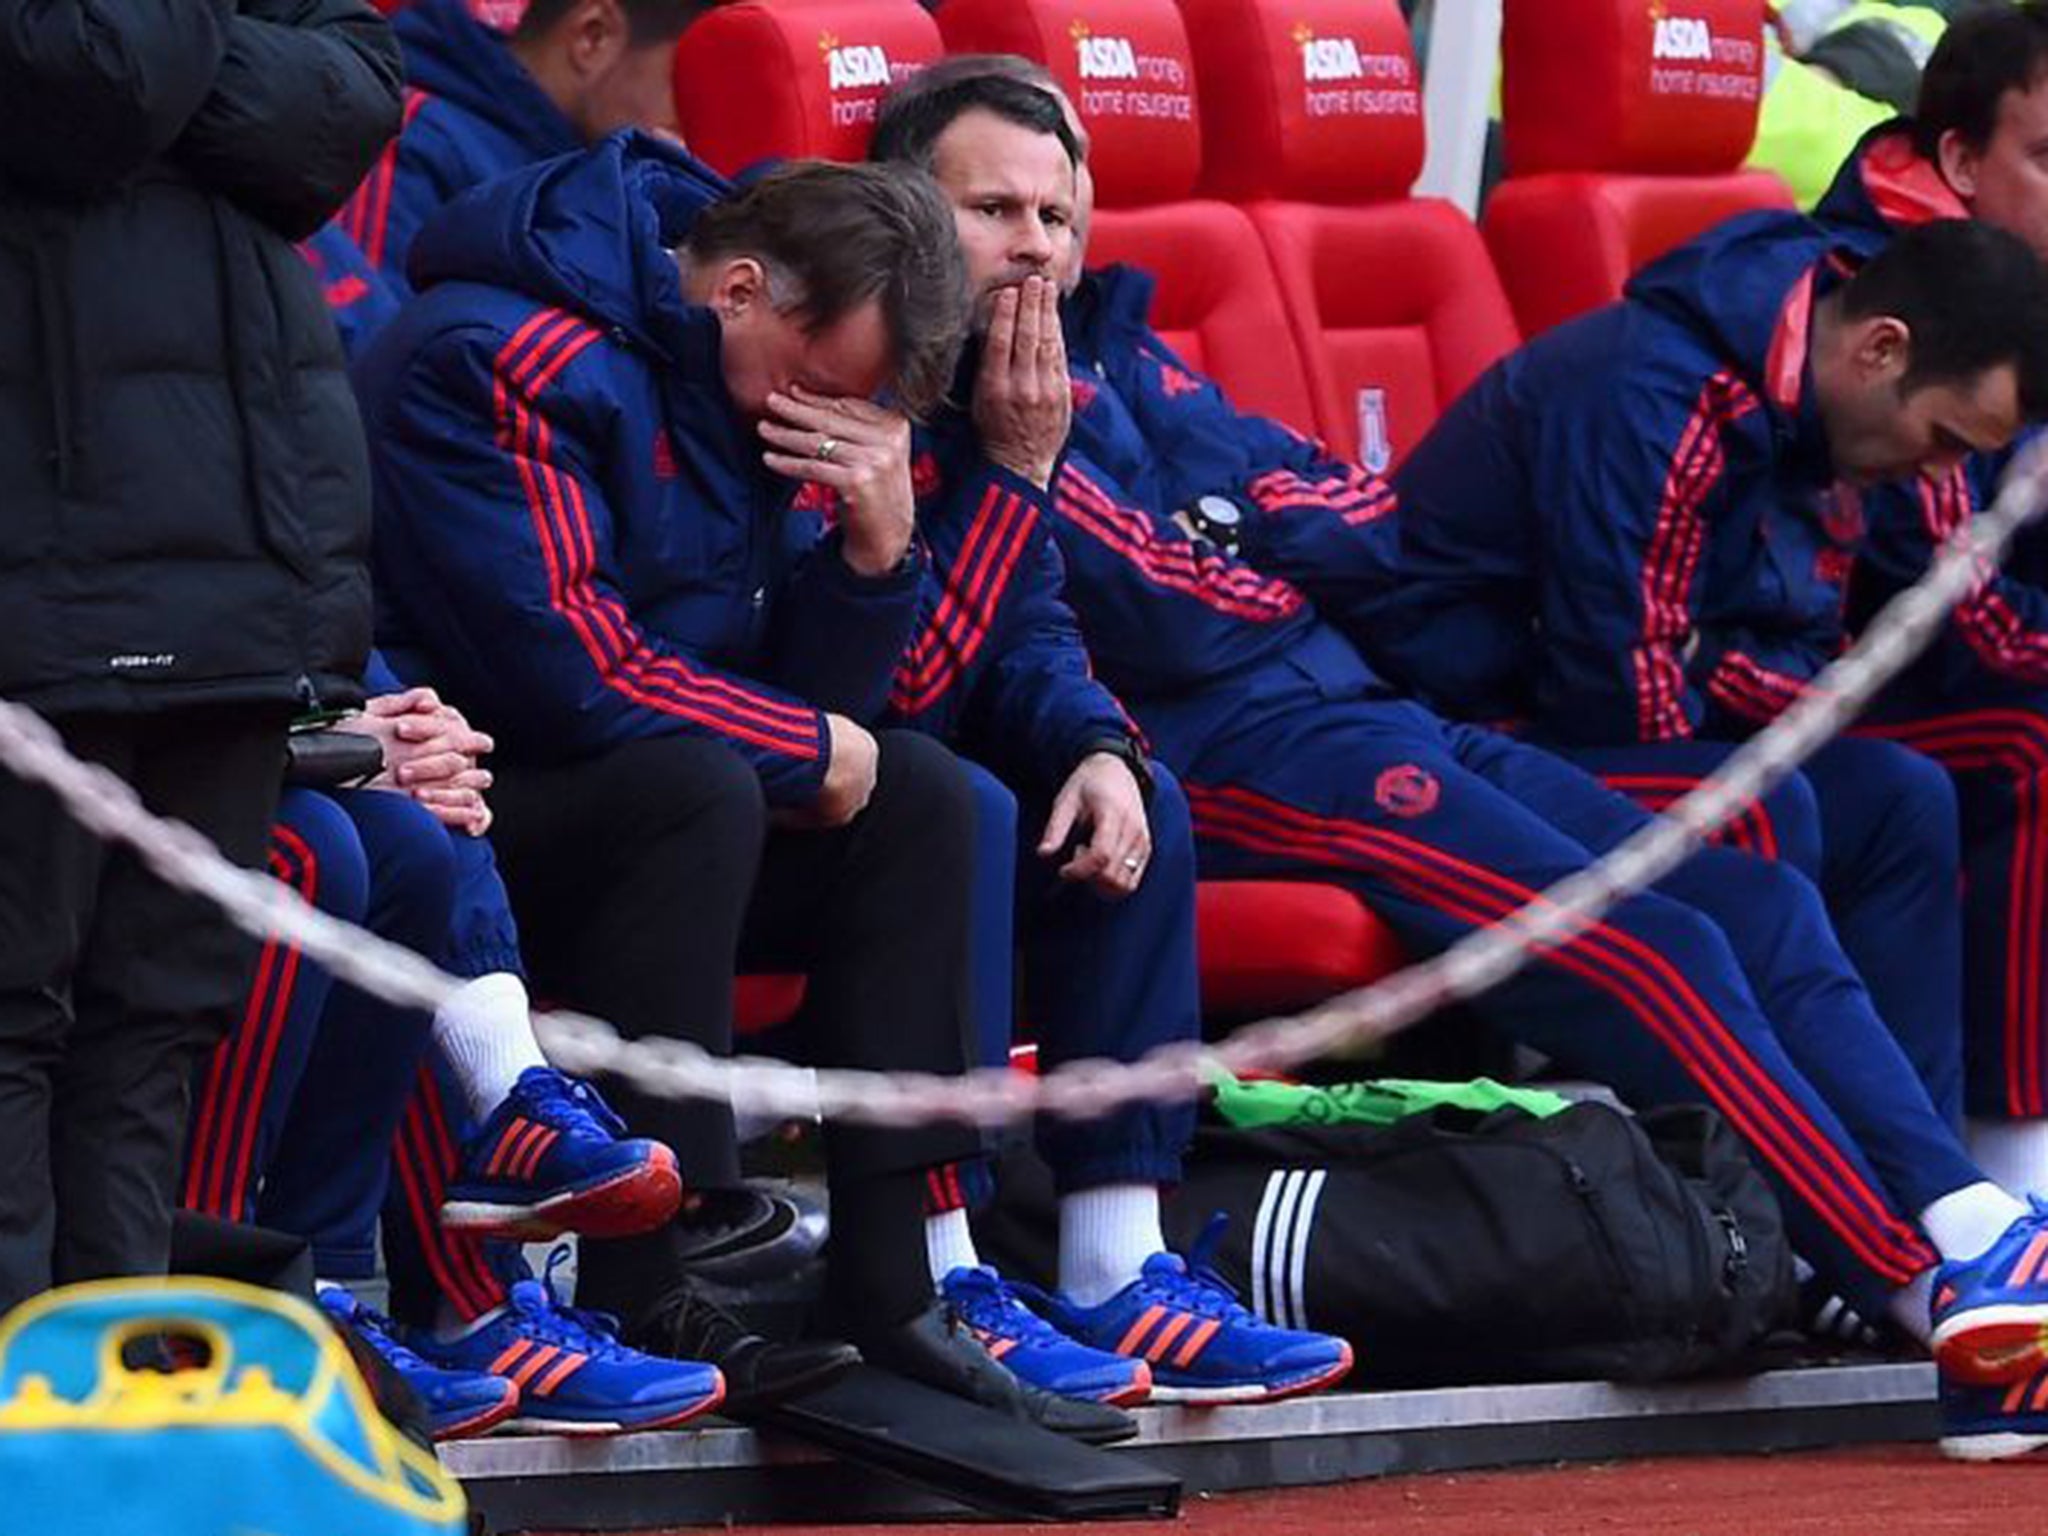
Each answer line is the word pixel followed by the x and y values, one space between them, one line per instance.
pixel 1218 511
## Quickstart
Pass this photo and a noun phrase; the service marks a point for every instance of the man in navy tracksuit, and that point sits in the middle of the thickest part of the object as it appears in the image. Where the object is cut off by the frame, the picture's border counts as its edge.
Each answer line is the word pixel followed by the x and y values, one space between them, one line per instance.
pixel 1978 701
pixel 1725 984
pixel 482 104
pixel 1106 910
pixel 586 445
pixel 1607 685
pixel 1634 531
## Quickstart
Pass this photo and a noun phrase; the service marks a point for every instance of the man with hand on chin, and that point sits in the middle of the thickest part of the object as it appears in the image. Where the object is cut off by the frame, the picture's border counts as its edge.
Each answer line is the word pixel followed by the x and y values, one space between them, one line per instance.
pixel 1106 915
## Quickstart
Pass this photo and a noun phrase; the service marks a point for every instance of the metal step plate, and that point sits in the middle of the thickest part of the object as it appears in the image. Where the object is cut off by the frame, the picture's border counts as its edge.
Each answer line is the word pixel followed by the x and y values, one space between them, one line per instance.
pixel 725 1473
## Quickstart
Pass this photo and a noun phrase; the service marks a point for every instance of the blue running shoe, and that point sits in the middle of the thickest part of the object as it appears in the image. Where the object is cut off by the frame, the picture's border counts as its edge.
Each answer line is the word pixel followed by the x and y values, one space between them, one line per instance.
pixel 1994 1423
pixel 574 1376
pixel 458 1402
pixel 1203 1346
pixel 1033 1350
pixel 1991 1314
pixel 553 1158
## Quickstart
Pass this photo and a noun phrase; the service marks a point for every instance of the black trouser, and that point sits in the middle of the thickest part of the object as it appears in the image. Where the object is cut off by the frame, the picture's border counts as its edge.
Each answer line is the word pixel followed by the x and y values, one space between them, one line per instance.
pixel 643 879
pixel 111 985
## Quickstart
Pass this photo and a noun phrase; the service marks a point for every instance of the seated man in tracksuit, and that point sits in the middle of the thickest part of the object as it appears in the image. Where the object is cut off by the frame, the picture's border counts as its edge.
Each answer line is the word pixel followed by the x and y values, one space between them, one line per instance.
pixel 482 103
pixel 1106 906
pixel 581 437
pixel 1977 703
pixel 1634 533
pixel 1725 984
pixel 529 1152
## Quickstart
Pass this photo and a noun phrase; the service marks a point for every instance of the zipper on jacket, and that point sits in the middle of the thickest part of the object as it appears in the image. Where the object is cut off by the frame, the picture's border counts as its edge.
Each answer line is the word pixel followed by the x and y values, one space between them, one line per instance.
pixel 52 324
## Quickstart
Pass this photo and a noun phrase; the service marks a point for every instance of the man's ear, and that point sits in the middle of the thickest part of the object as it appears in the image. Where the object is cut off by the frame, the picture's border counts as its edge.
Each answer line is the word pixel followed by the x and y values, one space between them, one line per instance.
pixel 597 32
pixel 1882 350
pixel 1958 161
pixel 738 284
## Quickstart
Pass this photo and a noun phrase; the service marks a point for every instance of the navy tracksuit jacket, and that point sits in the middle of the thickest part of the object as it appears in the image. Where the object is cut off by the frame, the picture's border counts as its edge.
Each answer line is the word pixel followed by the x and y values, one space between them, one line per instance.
pixel 358 298
pixel 572 522
pixel 1300 761
pixel 1977 701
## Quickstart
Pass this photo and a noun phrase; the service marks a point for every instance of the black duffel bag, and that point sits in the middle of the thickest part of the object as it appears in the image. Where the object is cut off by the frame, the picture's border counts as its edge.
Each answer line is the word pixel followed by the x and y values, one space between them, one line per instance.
pixel 1452 1248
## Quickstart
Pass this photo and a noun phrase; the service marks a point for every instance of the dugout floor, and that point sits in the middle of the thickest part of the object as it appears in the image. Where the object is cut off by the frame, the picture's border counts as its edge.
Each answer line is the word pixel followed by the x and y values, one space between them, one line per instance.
pixel 720 1474
pixel 1865 1491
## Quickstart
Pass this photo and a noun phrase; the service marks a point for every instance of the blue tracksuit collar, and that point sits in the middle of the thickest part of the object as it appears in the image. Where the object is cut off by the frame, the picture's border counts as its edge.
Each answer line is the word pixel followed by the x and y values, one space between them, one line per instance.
pixel 591 233
pixel 1885 186
pixel 452 55
pixel 1109 301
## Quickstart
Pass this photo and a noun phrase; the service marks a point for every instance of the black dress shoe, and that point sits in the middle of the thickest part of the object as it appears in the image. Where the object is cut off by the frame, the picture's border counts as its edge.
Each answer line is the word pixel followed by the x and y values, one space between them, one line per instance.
pixel 759 1372
pixel 934 1349
pixel 742 1235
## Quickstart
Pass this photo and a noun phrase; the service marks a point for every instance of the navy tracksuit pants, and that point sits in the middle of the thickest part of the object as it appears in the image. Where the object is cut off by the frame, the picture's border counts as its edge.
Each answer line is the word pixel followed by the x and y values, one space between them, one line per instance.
pixel 297 1120
pixel 1995 749
pixel 1874 826
pixel 245 1085
pixel 1102 979
pixel 1116 980
pixel 1724 984
pixel 297 1108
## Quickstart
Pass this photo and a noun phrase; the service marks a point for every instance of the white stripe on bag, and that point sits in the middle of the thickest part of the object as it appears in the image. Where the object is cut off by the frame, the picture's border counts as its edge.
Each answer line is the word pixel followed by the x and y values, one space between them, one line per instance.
pixel 1283 1253
pixel 1304 1226
pixel 1277 1249
pixel 1262 1232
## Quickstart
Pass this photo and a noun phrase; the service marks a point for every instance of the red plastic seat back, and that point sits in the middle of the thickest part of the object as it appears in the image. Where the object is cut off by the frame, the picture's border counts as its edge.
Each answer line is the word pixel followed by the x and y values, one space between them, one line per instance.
pixel 796 77
pixel 1568 242
pixel 1217 304
pixel 1626 127
pixel 1315 121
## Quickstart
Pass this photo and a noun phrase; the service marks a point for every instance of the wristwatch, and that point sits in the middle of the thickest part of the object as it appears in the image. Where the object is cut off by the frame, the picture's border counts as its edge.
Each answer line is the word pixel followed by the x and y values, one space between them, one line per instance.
pixel 1219 520
pixel 1128 751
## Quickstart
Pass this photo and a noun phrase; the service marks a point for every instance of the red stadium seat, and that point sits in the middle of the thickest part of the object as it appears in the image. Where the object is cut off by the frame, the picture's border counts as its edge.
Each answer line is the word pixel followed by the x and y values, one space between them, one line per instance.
pixel 755 80
pixel 763 1002
pixel 1313 122
pixel 1265 946
pixel 1273 946
pixel 1626 126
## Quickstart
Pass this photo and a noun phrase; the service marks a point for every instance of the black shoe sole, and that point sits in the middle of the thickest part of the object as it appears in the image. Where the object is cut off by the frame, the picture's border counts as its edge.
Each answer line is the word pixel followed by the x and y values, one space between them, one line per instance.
pixel 742 1403
pixel 1107 1434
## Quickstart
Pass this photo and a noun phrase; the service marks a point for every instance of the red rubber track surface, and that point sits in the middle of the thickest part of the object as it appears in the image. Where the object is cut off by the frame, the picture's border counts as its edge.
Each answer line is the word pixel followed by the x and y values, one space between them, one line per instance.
pixel 1868 1491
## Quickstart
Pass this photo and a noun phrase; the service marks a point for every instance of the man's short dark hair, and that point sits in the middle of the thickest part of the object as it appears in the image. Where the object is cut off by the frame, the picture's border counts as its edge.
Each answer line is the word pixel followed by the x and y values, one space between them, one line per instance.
pixel 1975 298
pixel 1980 57
pixel 955 67
pixel 647 21
pixel 832 237
pixel 915 115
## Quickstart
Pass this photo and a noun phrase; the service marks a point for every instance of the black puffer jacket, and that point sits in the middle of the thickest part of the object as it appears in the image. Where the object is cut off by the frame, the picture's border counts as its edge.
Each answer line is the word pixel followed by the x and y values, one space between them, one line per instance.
pixel 184 496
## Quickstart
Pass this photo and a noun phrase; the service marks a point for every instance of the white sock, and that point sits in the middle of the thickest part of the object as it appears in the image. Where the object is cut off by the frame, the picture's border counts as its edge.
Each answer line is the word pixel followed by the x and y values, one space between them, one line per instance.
pixel 2012 1153
pixel 949 1244
pixel 1908 1306
pixel 1106 1235
pixel 1967 1221
pixel 486 1034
